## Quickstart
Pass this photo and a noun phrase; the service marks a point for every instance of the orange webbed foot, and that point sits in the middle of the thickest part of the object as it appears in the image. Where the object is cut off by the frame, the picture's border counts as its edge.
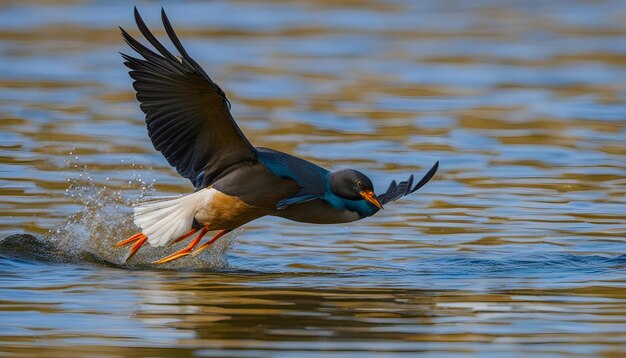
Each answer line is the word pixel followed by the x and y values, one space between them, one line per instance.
pixel 130 240
pixel 138 240
pixel 210 242
pixel 186 251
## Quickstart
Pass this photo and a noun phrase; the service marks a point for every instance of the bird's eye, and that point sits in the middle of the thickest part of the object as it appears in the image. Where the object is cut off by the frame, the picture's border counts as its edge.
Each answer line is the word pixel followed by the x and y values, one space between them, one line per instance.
pixel 360 184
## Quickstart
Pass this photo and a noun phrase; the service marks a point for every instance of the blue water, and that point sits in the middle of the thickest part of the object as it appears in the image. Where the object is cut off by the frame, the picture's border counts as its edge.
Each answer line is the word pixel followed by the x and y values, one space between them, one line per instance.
pixel 516 247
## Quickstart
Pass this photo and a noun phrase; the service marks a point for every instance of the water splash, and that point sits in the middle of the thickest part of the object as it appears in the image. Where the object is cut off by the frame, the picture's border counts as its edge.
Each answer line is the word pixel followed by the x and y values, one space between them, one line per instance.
pixel 104 218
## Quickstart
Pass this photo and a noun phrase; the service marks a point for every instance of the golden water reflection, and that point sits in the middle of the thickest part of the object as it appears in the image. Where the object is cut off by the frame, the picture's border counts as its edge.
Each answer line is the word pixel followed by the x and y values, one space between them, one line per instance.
pixel 515 248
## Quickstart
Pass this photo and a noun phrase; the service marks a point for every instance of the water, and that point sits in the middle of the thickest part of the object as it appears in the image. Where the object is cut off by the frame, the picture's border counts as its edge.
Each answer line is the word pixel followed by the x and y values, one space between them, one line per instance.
pixel 516 247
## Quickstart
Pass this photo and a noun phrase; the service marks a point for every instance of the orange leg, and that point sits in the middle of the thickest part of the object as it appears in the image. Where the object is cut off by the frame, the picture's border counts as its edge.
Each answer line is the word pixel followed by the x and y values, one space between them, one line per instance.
pixel 140 239
pixel 130 240
pixel 189 233
pixel 208 243
pixel 184 252
pixel 137 239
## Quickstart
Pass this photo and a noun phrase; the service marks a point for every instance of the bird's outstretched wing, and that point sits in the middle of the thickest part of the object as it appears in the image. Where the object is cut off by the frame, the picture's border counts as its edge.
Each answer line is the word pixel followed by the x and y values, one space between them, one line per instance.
pixel 187 114
pixel 396 191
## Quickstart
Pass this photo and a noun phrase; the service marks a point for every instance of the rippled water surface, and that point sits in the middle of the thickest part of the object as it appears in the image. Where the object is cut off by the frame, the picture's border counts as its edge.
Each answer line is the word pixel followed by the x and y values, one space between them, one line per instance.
pixel 517 246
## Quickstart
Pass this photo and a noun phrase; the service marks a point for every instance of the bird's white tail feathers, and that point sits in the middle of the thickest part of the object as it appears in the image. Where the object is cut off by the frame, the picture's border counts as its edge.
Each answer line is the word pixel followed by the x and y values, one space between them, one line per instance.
pixel 164 219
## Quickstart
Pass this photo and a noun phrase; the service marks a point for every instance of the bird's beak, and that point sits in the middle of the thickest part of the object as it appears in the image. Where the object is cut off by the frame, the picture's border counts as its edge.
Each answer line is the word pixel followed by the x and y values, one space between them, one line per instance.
pixel 371 197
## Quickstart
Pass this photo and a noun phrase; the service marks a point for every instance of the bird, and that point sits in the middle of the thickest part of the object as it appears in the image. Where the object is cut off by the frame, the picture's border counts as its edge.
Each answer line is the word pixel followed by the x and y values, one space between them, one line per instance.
pixel 189 121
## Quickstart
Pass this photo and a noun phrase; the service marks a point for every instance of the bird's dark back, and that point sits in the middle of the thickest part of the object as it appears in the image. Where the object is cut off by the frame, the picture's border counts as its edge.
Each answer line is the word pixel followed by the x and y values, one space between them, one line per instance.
pixel 309 176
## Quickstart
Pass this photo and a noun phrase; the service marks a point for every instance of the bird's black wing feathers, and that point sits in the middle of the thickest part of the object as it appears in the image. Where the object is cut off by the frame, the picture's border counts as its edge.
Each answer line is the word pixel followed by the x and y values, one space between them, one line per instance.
pixel 187 114
pixel 396 191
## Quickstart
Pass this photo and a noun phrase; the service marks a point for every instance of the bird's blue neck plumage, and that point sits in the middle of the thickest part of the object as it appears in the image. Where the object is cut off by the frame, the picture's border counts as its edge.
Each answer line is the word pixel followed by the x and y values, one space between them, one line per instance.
pixel 313 180
pixel 362 207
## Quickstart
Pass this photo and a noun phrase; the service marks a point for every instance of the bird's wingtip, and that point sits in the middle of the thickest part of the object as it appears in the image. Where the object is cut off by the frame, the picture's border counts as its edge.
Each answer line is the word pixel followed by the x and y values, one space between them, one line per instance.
pixel 426 178
pixel 138 18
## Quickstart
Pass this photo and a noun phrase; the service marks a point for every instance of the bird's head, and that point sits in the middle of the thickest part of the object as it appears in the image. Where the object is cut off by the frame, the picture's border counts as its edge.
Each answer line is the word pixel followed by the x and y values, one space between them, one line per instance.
pixel 353 185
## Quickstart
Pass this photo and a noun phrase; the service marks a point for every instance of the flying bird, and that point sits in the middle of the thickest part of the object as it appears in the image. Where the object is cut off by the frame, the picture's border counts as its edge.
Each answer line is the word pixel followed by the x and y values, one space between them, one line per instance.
pixel 189 121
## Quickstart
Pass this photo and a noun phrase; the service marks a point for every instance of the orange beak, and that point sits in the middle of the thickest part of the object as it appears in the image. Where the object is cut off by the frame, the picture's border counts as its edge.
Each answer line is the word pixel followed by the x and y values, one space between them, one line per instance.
pixel 371 197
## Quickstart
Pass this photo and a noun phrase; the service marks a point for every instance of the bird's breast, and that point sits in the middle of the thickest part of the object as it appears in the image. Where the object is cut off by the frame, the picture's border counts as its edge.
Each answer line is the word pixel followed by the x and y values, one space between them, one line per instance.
pixel 219 211
pixel 317 212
